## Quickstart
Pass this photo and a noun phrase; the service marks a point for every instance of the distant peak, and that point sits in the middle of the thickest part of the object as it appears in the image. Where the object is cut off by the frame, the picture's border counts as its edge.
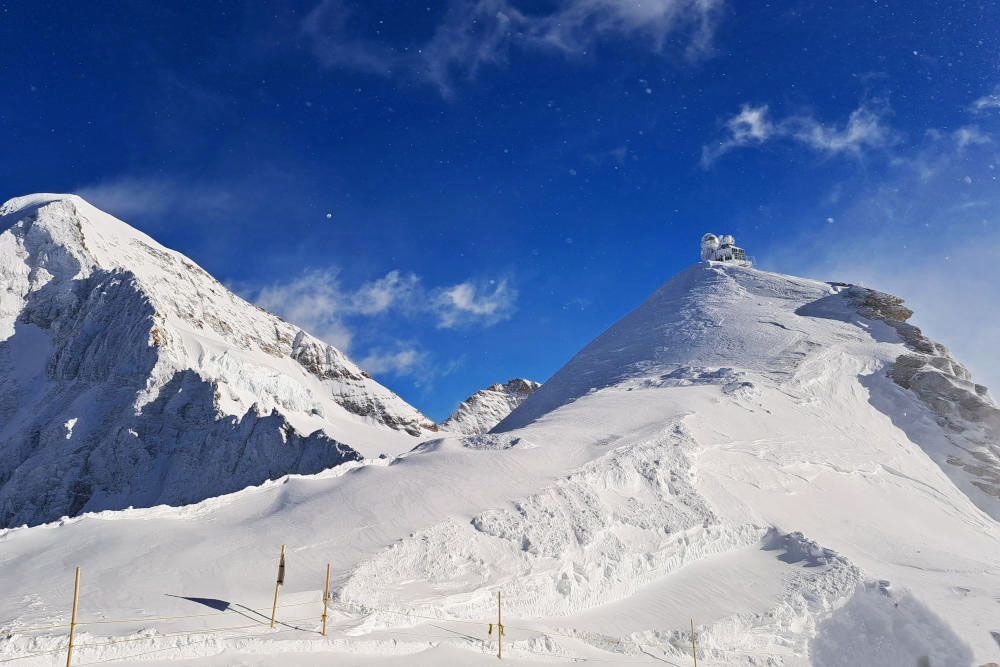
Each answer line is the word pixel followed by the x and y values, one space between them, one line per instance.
pixel 517 385
pixel 488 407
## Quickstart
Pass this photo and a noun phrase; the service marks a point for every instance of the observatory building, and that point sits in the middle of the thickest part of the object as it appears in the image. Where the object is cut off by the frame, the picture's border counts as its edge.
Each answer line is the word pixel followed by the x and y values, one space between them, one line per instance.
pixel 723 249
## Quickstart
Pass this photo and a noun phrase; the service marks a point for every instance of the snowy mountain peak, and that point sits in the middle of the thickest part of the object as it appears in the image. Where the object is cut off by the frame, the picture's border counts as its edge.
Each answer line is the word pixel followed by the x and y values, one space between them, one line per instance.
pixel 738 327
pixel 487 407
pixel 101 324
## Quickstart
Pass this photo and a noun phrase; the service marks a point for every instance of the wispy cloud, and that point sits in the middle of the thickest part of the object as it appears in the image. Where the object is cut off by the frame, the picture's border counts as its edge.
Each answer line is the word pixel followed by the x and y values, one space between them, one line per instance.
pixel 863 130
pixel 970 135
pixel 317 301
pixel 330 26
pixel 989 102
pixel 469 302
pixel 379 296
pixel 314 301
pixel 403 359
pixel 476 33
pixel 152 197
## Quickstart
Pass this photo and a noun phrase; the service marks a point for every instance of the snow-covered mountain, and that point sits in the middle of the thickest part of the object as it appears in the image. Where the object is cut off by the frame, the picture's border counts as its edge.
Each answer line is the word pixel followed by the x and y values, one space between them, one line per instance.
pixel 784 461
pixel 487 407
pixel 131 377
pixel 689 335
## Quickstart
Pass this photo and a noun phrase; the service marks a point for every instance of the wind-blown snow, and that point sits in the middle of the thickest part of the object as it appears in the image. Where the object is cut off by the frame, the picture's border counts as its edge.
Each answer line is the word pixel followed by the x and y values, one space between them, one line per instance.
pixel 729 452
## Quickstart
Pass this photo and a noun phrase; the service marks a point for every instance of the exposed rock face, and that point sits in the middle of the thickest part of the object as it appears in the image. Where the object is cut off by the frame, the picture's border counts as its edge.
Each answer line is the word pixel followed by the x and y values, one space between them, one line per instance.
pixel 488 407
pixel 351 386
pixel 129 376
pixel 961 406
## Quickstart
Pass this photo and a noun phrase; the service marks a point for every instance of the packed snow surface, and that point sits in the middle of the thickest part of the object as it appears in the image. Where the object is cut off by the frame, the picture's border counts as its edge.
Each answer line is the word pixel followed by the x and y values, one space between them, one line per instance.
pixel 735 452
pixel 487 407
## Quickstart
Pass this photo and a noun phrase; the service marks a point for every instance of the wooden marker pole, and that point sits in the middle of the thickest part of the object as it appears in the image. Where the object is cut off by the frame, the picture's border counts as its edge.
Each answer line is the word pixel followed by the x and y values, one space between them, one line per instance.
pixel 277 584
pixel 694 649
pixel 326 597
pixel 499 630
pixel 72 618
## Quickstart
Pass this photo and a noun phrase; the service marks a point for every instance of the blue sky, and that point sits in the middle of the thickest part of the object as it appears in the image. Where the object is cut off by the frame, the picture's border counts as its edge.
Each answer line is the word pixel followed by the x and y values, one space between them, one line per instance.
pixel 462 192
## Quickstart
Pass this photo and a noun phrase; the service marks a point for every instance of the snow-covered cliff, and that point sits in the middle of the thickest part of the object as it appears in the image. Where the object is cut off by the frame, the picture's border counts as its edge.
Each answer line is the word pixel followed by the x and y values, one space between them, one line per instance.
pixel 487 407
pixel 129 376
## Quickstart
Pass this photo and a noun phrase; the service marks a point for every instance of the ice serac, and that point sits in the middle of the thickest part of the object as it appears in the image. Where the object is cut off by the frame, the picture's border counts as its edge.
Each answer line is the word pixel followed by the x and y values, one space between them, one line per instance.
pixel 129 376
pixel 487 407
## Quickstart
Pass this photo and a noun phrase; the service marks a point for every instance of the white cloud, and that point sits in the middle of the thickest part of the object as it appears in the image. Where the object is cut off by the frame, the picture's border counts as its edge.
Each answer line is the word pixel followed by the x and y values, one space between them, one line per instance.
pixel 153 197
pixel 864 129
pixel 987 102
pixel 970 135
pixel 750 125
pixel 399 361
pixel 317 301
pixel 380 295
pixel 328 25
pixel 475 33
pixel 468 302
pixel 313 301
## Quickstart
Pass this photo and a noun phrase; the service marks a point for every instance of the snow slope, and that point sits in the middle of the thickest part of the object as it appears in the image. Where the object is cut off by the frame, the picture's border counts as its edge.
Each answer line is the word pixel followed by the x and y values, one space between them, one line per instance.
pixel 130 377
pixel 736 451
pixel 487 407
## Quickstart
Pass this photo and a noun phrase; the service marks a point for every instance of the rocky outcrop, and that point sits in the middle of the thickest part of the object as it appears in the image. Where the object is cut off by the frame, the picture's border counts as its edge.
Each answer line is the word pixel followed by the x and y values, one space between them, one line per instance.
pixel 488 407
pixel 945 386
pixel 352 386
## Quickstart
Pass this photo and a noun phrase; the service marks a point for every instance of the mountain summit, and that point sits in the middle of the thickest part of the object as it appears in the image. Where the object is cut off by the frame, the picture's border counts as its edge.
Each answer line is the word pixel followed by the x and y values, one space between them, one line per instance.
pixel 131 377
pixel 739 328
